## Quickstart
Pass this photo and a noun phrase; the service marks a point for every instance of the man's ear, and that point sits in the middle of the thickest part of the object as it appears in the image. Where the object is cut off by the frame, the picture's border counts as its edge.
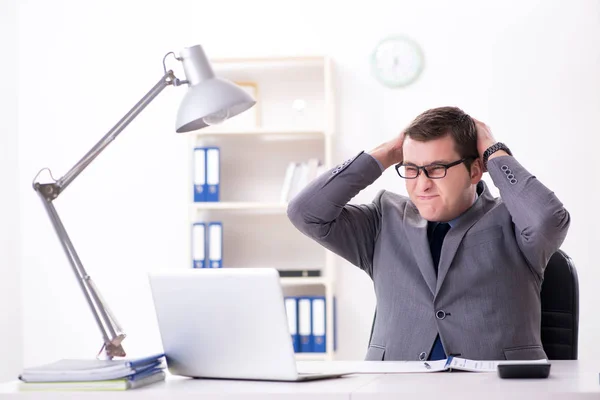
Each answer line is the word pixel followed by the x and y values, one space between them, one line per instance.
pixel 476 171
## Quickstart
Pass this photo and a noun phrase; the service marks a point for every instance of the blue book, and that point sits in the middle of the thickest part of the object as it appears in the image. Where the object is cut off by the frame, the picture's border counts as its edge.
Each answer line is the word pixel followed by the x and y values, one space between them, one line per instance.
pixel 200 187
pixel 319 323
pixel 215 245
pixel 305 324
pixel 291 309
pixel 199 245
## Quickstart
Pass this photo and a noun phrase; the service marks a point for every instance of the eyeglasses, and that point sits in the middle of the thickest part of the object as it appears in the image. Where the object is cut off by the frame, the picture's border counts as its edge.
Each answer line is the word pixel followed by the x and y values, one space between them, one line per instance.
pixel 432 171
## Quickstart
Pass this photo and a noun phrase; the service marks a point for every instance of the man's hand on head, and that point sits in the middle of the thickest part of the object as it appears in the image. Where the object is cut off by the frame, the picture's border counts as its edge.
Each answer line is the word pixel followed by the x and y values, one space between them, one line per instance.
pixel 485 139
pixel 389 153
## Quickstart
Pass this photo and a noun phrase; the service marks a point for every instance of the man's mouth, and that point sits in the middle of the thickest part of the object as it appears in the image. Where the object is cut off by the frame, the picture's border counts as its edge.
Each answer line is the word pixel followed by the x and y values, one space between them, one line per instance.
pixel 425 198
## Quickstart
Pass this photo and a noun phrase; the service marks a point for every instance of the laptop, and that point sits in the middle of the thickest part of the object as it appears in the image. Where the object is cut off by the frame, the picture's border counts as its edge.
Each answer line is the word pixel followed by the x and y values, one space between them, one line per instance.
pixel 226 323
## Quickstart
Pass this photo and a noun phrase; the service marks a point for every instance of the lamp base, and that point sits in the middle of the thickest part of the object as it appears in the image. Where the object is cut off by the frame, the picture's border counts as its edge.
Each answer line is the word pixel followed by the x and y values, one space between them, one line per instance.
pixel 114 348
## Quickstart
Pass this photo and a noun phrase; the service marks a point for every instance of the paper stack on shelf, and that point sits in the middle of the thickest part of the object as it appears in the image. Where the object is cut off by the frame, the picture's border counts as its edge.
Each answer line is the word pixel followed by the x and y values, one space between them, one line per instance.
pixel 297 176
pixel 92 374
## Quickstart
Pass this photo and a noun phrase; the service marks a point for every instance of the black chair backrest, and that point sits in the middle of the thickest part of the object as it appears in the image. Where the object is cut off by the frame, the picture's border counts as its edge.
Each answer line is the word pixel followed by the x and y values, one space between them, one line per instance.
pixel 560 308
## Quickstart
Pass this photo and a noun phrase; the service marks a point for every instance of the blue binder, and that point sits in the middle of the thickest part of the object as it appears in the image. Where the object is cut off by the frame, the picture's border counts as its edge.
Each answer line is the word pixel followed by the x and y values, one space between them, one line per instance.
pixel 213 173
pixel 319 324
pixel 200 186
pixel 291 309
pixel 215 245
pixel 198 245
pixel 305 324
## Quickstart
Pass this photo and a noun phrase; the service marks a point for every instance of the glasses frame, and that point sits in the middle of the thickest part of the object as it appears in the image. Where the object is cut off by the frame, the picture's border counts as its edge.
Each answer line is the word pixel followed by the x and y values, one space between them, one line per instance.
pixel 423 168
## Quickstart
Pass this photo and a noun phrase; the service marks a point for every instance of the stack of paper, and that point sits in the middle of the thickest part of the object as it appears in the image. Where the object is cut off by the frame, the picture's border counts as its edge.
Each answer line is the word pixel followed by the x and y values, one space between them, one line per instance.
pixel 298 175
pixel 72 374
pixel 405 367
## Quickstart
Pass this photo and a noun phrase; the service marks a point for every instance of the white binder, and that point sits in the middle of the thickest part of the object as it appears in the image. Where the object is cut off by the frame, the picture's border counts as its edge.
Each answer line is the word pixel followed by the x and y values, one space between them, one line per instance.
pixel 304 324
pixel 318 324
pixel 199 174
pixel 199 245
pixel 287 182
pixel 215 245
pixel 291 310
pixel 213 173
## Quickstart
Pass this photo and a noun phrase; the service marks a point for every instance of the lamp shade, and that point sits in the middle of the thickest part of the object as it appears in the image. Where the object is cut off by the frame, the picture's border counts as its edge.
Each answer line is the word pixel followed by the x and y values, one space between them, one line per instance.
pixel 209 99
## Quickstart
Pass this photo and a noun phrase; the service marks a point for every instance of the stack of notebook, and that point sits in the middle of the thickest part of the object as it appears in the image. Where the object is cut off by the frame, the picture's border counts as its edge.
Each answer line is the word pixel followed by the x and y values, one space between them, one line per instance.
pixel 72 374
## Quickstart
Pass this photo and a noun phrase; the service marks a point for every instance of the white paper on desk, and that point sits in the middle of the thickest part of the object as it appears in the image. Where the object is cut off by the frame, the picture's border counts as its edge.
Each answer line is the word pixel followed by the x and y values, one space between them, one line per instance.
pixel 463 364
pixel 380 367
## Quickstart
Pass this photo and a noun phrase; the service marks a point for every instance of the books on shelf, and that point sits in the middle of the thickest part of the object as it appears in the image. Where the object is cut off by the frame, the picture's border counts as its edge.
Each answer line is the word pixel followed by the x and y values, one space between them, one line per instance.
pixel 307 323
pixel 90 374
pixel 207 174
pixel 298 175
pixel 207 245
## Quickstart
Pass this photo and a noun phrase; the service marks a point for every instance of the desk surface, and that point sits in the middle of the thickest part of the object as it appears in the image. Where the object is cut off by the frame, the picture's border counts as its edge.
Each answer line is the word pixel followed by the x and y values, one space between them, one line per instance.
pixel 568 380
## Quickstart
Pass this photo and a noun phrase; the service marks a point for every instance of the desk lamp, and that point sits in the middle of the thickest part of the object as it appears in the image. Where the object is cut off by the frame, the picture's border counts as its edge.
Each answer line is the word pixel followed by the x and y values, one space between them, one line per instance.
pixel 209 100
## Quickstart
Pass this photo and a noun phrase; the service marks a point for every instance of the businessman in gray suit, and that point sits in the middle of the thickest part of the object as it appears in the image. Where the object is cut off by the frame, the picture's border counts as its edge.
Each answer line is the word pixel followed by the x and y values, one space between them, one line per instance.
pixel 455 270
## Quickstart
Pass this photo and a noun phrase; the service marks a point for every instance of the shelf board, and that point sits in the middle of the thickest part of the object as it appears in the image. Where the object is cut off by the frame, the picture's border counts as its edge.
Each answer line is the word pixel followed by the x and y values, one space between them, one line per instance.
pixel 248 206
pixel 312 356
pixel 303 281
pixel 261 132
pixel 261 63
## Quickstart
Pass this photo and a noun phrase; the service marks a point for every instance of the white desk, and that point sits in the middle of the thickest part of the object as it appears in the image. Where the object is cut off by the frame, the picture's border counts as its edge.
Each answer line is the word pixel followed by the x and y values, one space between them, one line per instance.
pixel 568 380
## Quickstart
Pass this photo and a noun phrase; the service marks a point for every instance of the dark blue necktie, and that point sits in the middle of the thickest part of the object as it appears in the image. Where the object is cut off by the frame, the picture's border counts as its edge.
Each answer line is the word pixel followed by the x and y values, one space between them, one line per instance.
pixel 436 239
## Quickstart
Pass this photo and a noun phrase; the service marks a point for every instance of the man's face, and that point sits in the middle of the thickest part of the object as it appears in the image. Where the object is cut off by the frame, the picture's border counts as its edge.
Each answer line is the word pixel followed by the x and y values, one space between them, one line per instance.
pixel 440 199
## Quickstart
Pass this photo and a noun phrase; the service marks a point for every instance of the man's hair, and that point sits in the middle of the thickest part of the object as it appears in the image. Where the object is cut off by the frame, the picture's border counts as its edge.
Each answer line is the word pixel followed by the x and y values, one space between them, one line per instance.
pixel 439 122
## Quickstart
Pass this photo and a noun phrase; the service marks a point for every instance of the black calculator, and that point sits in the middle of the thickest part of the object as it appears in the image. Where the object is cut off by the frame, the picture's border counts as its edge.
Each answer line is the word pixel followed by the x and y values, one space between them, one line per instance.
pixel 524 370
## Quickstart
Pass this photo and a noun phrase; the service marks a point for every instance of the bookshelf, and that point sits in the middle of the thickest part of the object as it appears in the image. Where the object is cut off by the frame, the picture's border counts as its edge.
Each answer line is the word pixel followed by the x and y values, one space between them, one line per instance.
pixel 292 122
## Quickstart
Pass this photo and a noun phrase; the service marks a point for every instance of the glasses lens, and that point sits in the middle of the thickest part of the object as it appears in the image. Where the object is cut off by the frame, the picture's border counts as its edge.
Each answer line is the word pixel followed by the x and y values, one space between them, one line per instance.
pixel 436 171
pixel 408 171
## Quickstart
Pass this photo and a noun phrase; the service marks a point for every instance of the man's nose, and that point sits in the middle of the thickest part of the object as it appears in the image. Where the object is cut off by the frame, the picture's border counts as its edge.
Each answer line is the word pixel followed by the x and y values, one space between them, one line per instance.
pixel 423 182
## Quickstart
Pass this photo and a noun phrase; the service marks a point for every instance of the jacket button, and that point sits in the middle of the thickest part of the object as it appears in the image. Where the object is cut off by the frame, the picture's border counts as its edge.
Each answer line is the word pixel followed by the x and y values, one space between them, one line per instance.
pixel 422 356
pixel 510 176
pixel 504 167
pixel 441 314
pixel 513 181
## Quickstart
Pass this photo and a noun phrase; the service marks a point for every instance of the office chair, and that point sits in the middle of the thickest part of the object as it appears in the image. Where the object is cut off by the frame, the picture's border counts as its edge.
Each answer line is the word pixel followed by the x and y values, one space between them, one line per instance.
pixel 560 308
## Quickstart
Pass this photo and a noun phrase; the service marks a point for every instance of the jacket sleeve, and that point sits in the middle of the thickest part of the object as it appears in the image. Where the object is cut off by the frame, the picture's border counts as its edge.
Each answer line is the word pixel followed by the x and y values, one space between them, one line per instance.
pixel 321 211
pixel 540 219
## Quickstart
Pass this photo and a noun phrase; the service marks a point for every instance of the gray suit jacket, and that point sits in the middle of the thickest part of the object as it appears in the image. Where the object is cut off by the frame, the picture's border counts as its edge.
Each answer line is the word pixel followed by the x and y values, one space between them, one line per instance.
pixel 485 302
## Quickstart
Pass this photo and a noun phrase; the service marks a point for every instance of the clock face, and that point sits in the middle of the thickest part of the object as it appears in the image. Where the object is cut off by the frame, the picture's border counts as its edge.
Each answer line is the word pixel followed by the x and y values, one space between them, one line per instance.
pixel 397 61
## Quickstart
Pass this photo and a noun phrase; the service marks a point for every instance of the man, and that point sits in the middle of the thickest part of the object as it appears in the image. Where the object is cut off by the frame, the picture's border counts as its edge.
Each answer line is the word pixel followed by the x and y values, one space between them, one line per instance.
pixel 455 270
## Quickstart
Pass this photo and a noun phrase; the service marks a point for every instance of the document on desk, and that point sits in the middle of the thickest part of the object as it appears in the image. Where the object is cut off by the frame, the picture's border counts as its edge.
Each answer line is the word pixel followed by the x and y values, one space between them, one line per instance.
pixel 399 367
pixel 407 367
pixel 373 367
pixel 463 364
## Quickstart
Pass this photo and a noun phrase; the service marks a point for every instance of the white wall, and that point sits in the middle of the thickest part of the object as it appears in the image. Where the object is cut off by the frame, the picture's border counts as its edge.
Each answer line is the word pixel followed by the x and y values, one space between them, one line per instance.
pixel 527 68
pixel 10 286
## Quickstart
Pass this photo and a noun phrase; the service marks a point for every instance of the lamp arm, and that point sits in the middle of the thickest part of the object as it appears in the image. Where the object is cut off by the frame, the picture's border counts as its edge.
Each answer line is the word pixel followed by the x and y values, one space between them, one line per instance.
pixel 48 192
pixel 167 79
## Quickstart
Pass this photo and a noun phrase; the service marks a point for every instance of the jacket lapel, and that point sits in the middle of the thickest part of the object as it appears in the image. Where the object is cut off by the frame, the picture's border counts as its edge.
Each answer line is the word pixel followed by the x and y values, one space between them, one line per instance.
pixel 457 232
pixel 416 231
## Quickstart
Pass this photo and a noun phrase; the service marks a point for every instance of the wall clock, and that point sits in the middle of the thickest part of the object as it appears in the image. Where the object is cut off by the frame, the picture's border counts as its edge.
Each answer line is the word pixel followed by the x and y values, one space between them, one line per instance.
pixel 397 61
